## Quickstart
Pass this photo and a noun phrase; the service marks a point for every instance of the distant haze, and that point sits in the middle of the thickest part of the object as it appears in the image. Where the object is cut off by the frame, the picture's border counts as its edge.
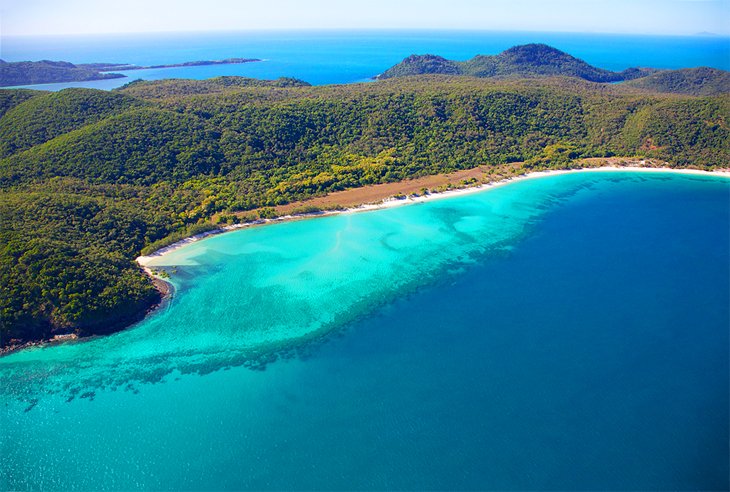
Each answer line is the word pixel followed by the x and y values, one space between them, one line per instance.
pixel 681 17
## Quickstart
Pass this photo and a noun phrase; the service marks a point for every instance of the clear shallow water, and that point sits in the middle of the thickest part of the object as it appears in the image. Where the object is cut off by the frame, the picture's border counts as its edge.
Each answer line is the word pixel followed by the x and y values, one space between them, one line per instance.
pixel 568 332
pixel 333 57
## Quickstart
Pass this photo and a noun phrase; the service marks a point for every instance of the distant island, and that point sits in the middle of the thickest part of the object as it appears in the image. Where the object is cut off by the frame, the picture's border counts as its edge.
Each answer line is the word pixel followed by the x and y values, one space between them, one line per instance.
pixel 46 71
pixel 527 60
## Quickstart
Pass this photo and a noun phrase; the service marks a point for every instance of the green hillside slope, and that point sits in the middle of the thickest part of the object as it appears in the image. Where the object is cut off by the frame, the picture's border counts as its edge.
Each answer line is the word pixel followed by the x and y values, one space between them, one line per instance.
pixel 49 115
pixel 702 81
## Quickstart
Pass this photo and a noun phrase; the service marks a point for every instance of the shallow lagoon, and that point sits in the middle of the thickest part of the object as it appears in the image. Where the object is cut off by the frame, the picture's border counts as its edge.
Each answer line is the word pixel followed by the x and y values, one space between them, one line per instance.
pixel 562 332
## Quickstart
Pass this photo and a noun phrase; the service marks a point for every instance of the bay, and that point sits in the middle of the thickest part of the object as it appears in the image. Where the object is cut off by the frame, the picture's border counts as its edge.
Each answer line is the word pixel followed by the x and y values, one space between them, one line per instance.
pixel 567 332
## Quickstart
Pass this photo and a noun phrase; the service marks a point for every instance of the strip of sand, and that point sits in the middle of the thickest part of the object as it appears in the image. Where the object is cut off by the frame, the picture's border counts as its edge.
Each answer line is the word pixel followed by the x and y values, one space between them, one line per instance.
pixel 407 192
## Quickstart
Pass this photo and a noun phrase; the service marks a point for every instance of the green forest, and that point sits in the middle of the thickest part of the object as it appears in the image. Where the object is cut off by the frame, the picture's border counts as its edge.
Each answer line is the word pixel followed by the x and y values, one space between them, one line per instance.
pixel 89 179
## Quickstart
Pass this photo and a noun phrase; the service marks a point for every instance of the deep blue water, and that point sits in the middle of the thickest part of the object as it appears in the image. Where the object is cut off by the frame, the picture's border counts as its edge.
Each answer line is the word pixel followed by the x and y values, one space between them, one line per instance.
pixel 593 357
pixel 585 349
pixel 329 57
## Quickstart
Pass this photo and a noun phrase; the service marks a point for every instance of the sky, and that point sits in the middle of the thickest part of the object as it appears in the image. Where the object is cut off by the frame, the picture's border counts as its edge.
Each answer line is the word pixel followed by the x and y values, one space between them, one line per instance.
pixel 680 17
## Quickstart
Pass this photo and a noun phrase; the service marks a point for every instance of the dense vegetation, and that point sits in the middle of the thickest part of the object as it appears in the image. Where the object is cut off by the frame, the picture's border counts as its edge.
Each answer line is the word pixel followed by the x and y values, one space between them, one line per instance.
pixel 170 88
pixel 45 71
pixel 49 115
pixel 65 261
pixel 519 61
pixel 702 81
pixel 10 99
pixel 104 175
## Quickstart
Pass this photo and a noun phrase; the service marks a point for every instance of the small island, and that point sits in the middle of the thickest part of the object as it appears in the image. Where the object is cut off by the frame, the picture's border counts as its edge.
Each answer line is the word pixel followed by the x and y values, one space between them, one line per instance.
pixel 47 71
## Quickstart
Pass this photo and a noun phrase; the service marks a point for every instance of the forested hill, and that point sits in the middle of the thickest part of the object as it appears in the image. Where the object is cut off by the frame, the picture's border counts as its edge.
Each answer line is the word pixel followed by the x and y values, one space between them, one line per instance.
pixel 522 61
pixel 88 179
pixel 702 81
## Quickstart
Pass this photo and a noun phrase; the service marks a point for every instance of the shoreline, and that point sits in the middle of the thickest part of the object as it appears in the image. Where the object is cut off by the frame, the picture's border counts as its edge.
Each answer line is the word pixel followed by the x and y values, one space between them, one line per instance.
pixel 167 289
pixel 391 201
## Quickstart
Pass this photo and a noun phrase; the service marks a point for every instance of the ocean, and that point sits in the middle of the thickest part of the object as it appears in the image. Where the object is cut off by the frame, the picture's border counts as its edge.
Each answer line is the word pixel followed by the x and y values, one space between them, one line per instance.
pixel 566 332
pixel 338 57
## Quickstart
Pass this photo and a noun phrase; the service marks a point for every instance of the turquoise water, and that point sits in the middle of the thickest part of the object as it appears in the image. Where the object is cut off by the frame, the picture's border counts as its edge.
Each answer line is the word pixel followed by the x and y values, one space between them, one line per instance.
pixel 568 332
pixel 334 57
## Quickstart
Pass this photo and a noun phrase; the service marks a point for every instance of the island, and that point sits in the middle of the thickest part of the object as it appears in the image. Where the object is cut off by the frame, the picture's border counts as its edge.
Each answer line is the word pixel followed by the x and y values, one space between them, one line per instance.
pixel 92 179
pixel 46 71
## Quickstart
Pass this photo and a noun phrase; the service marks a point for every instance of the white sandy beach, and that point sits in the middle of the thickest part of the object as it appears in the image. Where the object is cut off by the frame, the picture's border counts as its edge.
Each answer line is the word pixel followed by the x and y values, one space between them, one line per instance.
pixel 396 202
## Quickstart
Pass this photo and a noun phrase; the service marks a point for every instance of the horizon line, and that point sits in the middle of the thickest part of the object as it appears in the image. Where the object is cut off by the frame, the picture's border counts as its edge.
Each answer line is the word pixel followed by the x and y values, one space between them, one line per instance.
pixel 360 29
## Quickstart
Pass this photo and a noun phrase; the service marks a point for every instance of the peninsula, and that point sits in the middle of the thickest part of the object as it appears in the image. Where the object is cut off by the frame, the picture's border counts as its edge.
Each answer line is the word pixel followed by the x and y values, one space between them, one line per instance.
pixel 46 71
pixel 121 67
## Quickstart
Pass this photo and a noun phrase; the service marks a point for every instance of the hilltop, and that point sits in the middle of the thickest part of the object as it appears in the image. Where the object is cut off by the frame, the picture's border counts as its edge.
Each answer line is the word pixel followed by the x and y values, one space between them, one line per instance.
pixel 528 60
